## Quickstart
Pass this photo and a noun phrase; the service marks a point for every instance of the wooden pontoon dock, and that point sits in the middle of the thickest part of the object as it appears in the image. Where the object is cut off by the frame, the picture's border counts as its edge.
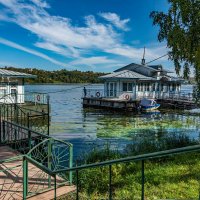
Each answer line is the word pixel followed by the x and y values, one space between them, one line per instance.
pixel 133 105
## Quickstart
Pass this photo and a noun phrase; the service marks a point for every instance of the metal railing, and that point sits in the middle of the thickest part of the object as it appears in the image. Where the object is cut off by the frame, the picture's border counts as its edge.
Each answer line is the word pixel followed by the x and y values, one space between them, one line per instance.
pixel 51 162
pixel 140 158
pixel 29 97
pixel 30 171
pixel 35 118
pixel 101 93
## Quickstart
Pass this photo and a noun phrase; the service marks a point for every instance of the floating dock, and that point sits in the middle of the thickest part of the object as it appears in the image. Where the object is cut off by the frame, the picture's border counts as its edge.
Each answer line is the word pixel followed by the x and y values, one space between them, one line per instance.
pixel 133 105
pixel 117 104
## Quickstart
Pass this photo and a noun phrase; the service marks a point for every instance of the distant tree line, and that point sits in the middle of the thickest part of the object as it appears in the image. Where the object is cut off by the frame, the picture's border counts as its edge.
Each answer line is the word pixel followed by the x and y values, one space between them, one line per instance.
pixel 60 76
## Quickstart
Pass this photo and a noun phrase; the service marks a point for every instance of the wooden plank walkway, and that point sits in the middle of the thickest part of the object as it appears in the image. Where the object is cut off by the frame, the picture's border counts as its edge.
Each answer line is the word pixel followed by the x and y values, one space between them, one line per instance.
pixel 11 179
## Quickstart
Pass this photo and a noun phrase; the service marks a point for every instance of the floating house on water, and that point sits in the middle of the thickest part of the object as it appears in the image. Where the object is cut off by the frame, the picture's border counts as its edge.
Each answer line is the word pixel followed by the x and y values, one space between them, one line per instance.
pixel 126 86
pixel 136 81
pixel 12 86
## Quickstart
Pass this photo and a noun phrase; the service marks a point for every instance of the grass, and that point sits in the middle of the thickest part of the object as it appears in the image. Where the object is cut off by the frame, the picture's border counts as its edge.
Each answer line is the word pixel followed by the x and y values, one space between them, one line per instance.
pixel 171 177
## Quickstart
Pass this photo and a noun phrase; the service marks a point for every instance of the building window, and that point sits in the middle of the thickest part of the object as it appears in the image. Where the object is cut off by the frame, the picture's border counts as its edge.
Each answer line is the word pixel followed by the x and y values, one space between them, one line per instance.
pixel 154 87
pixel 2 92
pixel 141 87
pixel 138 87
pixel 157 89
pixel 127 87
pixel 148 86
pixel 13 92
pixel 174 87
pixel 162 87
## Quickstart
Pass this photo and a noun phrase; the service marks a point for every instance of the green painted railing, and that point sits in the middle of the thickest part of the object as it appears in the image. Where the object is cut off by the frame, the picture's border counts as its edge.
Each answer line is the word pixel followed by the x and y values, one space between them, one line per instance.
pixel 139 158
pixel 46 164
pixel 44 153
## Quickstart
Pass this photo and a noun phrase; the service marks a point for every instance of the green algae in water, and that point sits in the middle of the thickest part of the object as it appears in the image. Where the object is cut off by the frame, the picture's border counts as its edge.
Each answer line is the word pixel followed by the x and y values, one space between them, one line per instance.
pixel 129 127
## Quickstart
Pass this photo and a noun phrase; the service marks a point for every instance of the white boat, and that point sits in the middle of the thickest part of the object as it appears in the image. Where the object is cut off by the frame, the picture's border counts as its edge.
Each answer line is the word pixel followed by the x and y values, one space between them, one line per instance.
pixel 149 104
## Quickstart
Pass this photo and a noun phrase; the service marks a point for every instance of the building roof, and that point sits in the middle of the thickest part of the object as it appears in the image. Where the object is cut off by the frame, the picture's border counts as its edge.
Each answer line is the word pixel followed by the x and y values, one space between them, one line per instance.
pixel 9 73
pixel 134 66
pixel 127 74
pixel 160 68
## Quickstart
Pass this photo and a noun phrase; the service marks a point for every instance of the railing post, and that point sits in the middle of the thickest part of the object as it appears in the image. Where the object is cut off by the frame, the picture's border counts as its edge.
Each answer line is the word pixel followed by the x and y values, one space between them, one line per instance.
pixel 48 110
pixel 110 182
pixel 77 185
pixel 0 125
pixel 29 132
pixel 143 180
pixel 49 159
pixel 55 189
pixel 4 131
pixel 70 163
pixel 25 178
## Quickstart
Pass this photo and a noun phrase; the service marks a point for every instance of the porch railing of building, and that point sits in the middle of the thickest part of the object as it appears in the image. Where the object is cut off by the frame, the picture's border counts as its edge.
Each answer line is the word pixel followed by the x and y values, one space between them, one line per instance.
pixel 101 93
pixel 29 97
pixel 34 117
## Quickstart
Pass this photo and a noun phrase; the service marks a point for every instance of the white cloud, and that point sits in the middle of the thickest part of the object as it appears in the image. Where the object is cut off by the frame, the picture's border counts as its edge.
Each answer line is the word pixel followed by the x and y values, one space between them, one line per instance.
pixel 114 19
pixel 59 35
pixel 96 60
pixel 31 51
pixel 40 3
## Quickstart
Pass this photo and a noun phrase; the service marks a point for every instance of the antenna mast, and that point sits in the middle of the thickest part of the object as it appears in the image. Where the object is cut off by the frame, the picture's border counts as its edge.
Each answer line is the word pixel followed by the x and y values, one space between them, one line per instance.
pixel 143 60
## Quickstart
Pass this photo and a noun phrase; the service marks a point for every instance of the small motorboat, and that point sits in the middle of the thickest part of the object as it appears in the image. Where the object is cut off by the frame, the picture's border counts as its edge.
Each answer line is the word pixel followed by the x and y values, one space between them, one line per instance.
pixel 148 104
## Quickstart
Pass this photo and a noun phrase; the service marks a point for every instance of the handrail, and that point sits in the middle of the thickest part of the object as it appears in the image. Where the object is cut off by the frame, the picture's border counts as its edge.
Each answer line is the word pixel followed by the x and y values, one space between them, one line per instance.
pixel 26 128
pixel 39 165
pixel 135 158
pixel 11 159
pixel 41 134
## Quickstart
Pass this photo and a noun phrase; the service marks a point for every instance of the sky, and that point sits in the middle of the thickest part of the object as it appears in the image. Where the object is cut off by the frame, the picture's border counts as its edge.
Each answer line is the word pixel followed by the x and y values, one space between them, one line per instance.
pixel 98 35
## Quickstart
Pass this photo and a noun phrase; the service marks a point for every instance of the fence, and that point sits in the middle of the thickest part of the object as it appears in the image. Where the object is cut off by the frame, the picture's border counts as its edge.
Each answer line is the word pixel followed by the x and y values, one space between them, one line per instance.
pixel 35 119
pixel 98 178
pixel 39 152
pixel 29 97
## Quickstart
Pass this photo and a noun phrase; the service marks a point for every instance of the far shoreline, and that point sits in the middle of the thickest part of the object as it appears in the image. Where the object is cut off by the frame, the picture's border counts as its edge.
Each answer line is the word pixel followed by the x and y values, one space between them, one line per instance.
pixel 63 84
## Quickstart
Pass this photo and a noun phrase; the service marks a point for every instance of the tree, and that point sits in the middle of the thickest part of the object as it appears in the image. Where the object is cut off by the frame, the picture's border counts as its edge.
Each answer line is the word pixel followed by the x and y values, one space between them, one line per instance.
pixel 180 27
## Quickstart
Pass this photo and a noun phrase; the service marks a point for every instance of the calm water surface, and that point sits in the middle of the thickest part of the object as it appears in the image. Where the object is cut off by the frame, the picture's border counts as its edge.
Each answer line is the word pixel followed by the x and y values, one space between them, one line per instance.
pixel 89 128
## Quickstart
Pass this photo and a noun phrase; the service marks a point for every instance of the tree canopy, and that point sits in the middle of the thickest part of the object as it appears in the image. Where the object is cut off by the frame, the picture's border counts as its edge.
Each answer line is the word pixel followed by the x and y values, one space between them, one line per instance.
pixel 180 27
pixel 60 76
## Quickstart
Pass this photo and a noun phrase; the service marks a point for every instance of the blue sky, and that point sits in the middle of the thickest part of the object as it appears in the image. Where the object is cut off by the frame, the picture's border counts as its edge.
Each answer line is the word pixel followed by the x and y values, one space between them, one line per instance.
pixel 99 35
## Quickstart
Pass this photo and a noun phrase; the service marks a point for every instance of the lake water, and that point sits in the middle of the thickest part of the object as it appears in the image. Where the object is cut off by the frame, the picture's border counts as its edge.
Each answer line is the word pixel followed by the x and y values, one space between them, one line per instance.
pixel 90 128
